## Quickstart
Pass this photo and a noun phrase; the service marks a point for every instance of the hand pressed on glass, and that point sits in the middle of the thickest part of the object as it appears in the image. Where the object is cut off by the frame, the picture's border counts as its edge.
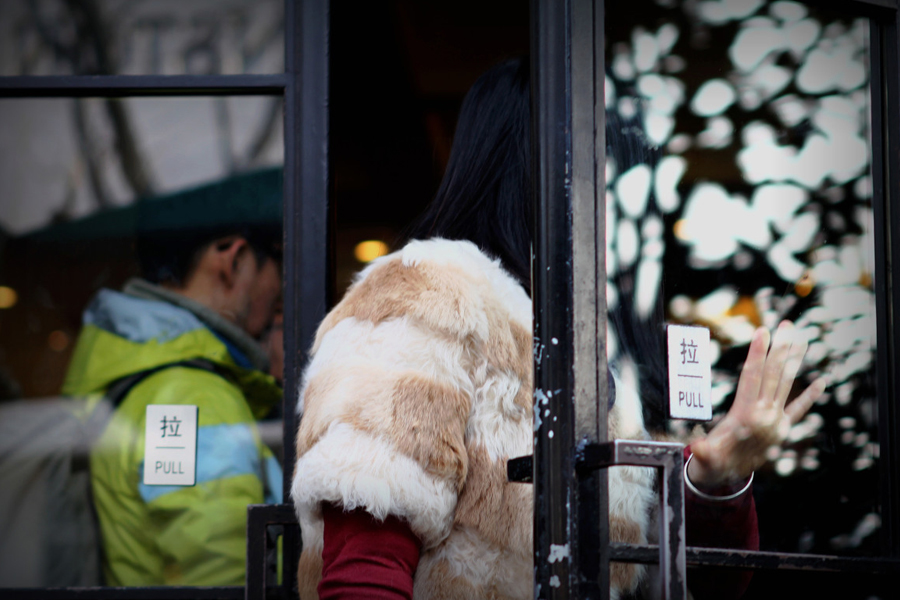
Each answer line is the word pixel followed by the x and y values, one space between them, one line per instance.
pixel 760 416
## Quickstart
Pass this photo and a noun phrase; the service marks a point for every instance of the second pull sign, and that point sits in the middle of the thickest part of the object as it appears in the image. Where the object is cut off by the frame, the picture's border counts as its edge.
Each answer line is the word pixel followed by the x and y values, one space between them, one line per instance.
pixel 690 373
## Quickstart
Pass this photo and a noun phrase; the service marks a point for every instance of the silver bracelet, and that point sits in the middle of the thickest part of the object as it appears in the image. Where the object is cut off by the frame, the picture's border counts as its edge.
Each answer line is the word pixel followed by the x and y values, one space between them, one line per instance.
pixel 693 488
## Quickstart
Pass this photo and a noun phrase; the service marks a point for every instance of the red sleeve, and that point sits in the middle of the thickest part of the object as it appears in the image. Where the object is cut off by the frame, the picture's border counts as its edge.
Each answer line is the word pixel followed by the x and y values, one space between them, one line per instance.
pixel 366 558
pixel 731 524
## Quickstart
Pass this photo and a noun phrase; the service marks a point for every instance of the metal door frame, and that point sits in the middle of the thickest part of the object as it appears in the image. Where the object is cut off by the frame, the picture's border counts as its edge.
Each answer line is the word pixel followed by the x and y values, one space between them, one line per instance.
pixel 569 286
pixel 569 281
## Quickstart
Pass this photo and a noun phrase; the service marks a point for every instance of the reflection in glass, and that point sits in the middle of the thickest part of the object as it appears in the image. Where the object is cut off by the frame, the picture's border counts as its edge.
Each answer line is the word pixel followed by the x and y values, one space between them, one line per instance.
pixel 109 37
pixel 65 214
pixel 73 220
pixel 760 211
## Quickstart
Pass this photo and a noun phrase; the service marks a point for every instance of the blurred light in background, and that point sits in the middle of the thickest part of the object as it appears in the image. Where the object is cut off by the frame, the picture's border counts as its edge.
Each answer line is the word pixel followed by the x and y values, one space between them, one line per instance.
pixel 8 297
pixel 370 250
pixel 58 340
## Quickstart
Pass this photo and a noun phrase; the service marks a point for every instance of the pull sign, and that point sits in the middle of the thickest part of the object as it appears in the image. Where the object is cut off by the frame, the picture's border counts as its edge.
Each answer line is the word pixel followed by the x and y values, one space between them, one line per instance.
pixel 690 373
pixel 170 449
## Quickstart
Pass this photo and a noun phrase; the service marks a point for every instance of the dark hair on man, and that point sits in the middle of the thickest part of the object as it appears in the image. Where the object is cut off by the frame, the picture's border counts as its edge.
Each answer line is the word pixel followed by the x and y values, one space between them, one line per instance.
pixel 485 195
pixel 172 259
pixel 175 229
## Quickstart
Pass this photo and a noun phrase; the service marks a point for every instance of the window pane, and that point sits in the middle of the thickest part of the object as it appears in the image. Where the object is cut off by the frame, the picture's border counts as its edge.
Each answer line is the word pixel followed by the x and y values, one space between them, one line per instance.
pixel 114 216
pixel 774 585
pixel 389 149
pixel 740 195
pixel 106 37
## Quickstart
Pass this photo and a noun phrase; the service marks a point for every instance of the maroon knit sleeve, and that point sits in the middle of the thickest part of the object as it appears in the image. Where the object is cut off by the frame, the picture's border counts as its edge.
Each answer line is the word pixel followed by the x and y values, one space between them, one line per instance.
pixel 731 524
pixel 366 558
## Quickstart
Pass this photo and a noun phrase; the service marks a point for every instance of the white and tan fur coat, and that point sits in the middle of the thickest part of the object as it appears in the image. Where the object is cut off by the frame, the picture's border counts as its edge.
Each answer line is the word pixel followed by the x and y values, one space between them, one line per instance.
pixel 419 390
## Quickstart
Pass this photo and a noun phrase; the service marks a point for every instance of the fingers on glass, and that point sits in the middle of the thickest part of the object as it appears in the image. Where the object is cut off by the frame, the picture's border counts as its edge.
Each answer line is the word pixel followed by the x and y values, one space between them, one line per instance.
pixel 776 360
pixel 752 372
pixel 791 368
pixel 798 408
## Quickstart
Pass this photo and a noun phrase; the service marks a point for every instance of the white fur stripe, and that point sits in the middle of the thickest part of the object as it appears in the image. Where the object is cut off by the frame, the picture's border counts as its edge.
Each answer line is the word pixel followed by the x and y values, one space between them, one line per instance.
pixel 395 346
pixel 355 469
pixel 496 422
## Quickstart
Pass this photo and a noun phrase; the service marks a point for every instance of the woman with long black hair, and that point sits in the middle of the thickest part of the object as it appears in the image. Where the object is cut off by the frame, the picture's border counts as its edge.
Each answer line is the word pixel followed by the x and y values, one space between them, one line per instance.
pixel 420 389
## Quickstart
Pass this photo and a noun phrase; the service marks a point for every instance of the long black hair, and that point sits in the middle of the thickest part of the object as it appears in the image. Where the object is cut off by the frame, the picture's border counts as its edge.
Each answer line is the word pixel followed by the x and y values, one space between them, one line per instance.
pixel 485 195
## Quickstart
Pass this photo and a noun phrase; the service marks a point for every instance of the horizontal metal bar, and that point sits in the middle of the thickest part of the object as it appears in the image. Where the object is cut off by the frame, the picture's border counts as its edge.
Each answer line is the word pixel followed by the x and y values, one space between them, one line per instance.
pixel 865 7
pixel 259 517
pixel 591 457
pixel 747 559
pixel 271 514
pixel 519 470
pixel 597 456
pixel 626 452
pixel 125 593
pixel 893 4
pixel 106 86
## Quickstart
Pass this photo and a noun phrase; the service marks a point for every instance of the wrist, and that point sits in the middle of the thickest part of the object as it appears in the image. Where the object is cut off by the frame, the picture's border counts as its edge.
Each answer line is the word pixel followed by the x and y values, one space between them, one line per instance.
pixel 718 492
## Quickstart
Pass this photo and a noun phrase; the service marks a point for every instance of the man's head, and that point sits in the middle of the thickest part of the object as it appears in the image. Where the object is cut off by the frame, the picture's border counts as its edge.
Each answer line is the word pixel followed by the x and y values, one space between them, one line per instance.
pixel 219 245
pixel 236 278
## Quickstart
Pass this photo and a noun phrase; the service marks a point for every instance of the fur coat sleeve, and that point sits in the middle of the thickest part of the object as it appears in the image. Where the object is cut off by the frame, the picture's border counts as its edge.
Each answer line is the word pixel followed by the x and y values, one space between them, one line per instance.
pixel 418 391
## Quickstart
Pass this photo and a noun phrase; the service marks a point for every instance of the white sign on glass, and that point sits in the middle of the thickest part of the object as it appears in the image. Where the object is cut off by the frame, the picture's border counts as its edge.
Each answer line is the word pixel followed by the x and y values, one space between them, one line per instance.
pixel 170 448
pixel 690 373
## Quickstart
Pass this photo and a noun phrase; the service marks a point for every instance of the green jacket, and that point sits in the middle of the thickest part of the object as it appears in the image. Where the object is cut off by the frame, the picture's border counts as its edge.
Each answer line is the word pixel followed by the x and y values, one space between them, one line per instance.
pixel 174 535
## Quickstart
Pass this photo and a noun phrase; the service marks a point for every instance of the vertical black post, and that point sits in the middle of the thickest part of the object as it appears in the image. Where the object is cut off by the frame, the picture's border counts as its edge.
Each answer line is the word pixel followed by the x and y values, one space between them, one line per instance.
pixel 554 436
pixel 588 186
pixel 306 185
pixel 885 119
pixel 891 75
pixel 672 551
pixel 569 283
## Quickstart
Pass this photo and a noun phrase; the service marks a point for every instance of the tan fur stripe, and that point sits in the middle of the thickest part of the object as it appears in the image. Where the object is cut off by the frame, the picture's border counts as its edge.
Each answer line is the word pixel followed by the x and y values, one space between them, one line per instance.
pixel 334 391
pixel 429 424
pixel 500 511
pixel 421 418
pixel 508 350
pixel 612 425
pixel 440 298
pixel 309 573
pixel 625 576
pixel 439 581
pixel 312 425
pixel 525 362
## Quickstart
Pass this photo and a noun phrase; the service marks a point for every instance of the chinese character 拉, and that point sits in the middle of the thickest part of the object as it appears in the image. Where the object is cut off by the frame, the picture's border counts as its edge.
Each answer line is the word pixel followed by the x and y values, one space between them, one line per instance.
pixel 688 353
pixel 170 427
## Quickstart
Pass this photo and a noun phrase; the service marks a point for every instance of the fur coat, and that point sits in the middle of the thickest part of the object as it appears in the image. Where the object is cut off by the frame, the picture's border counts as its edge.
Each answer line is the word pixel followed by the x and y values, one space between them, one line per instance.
pixel 418 391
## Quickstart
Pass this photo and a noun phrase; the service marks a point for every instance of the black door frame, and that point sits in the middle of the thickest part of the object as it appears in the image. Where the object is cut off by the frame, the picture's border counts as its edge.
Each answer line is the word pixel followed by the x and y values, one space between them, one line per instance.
pixel 569 287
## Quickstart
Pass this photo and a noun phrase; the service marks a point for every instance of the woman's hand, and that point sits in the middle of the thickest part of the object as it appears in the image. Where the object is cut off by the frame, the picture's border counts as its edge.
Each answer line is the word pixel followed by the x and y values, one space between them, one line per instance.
pixel 758 419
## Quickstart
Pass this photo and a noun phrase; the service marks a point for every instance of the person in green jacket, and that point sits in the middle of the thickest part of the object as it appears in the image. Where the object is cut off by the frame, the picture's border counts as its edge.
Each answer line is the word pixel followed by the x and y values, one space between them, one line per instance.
pixel 212 283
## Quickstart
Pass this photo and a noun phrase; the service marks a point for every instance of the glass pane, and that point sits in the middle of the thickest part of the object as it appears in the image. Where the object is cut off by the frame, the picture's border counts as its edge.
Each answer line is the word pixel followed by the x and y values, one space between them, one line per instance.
pixel 107 37
pixel 740 195
pixel 389 152
pixel 135 234
pixel 786 585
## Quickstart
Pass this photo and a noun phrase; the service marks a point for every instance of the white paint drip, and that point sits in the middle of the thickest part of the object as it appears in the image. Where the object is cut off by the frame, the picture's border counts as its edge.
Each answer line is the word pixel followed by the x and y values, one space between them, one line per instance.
pixel 558 552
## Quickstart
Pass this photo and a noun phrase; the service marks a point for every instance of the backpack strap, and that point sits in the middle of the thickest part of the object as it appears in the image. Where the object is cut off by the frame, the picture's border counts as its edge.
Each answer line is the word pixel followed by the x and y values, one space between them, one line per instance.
pixel 120 388
pixel 99 418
